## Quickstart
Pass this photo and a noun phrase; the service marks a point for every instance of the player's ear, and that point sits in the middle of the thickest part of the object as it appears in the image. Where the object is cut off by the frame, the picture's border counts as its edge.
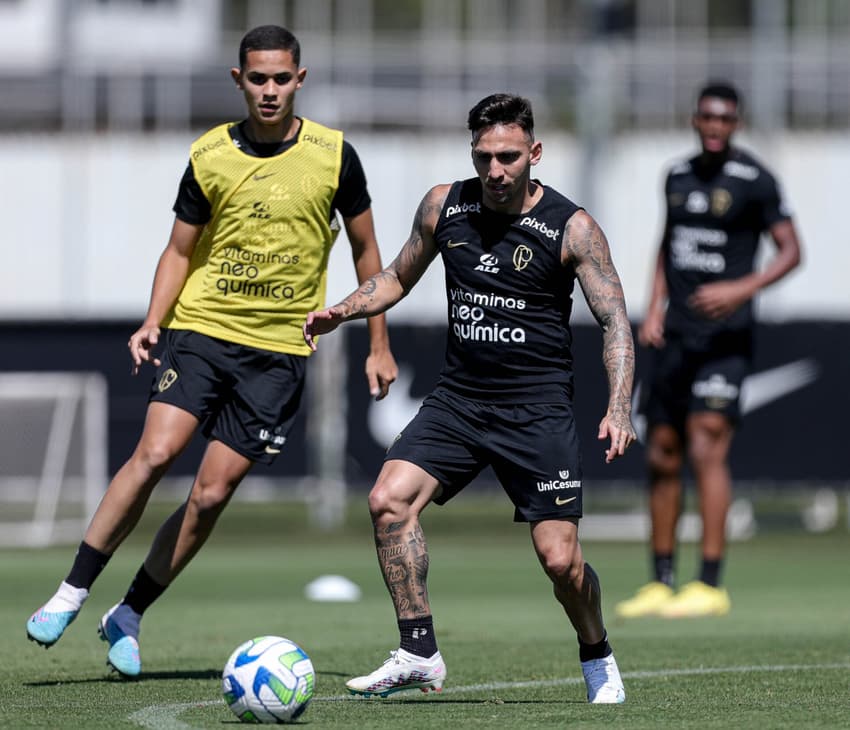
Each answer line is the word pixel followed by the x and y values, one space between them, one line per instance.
pixel 302 74
pixel 536 152
pixel 236 75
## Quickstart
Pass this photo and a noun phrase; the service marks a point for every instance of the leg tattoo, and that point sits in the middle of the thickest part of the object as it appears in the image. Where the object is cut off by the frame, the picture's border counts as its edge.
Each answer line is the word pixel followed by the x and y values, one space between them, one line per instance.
pixel 403 556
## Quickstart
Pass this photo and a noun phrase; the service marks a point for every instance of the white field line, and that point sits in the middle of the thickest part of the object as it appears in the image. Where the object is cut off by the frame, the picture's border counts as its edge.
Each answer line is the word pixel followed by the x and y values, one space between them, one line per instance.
pixel 165 717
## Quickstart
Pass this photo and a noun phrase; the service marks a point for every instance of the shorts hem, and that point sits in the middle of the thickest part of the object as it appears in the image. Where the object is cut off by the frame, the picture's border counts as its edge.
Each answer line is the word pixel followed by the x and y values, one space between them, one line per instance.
pixel 518 517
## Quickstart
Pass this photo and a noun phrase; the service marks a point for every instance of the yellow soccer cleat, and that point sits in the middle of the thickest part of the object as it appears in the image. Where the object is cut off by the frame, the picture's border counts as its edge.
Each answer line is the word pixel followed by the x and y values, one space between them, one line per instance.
pixel 648 601
pixel 697 599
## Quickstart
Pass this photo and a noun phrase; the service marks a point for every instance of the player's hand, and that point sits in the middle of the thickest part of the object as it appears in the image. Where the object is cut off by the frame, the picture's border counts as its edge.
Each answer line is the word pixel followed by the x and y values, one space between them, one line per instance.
pixel 320 323
pixel 141 344
pixel 381 372
pixel 720 299
pixel 618 426
pixel 651 331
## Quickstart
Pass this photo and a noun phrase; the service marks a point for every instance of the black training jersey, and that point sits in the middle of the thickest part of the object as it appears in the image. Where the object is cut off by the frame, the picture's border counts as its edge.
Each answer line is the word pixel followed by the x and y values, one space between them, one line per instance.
pixel 508 296
pixel 715 217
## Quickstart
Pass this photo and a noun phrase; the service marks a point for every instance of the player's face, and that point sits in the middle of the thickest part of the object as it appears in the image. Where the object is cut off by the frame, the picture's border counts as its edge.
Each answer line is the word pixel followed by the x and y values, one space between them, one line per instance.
pixel 715 120
pixel 269 80
pixel 503 156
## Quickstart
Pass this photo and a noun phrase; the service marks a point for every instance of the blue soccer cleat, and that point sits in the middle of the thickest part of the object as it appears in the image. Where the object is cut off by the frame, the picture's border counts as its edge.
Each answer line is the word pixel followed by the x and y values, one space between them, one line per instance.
pixel 46 627
pixel 120 627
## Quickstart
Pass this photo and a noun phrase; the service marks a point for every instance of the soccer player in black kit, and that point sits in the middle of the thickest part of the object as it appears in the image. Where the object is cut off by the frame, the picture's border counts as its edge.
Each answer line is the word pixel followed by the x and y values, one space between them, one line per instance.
pixel 512 249
pixel 699 325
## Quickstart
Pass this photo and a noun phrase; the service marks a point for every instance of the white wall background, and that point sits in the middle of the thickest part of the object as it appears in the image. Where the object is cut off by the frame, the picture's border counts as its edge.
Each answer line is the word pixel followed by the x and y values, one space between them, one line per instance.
pixel 86 217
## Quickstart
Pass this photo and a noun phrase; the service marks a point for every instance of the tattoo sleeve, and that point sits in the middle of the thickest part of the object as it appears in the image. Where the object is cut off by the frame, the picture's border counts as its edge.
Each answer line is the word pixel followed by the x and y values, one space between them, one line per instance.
pixel 403 556
pixel 381 291
pixel 586 248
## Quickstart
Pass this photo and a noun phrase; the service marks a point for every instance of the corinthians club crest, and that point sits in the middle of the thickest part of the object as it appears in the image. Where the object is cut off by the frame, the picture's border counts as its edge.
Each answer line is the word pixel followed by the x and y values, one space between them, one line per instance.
pixel 522 255
pixel 169 377
pixel 720 201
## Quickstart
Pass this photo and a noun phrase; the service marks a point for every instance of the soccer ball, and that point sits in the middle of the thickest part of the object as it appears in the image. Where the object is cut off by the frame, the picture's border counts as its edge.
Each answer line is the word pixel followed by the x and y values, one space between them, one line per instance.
pixel 268 680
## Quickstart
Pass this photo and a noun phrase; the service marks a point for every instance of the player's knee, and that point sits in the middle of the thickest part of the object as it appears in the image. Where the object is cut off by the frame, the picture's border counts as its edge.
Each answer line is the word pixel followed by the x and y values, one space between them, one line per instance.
pixel 562 564
pixel 709 443
pixel 663 460
pixel 385 504
pixel 209 498
pixel 664 452
pixel 704 455
pixel 155 457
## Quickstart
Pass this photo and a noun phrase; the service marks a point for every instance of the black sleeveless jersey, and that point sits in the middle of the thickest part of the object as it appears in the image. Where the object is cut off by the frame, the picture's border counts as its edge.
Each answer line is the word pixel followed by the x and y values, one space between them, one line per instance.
pixel 508 297
pixel 715 218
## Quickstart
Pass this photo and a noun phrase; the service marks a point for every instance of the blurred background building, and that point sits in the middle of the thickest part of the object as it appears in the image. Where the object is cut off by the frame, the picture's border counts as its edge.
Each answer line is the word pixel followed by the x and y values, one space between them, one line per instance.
pixel 101 99
pixel 382 64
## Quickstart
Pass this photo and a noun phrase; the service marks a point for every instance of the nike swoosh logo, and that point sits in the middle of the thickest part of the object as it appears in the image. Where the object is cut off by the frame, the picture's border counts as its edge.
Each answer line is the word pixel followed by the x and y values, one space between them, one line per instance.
pixel 757 390
pixel 560 502
pixel 455 244
pixel 762 388
pixel 271 450
pixel 263 177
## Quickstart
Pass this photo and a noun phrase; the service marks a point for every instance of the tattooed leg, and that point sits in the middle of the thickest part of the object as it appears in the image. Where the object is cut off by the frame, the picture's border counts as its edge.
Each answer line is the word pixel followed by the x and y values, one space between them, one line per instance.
pixel 402 491
pixel 403 556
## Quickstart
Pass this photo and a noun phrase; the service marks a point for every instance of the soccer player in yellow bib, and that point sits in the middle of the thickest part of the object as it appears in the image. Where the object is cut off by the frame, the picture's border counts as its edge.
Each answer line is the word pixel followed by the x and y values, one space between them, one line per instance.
pixel 256 216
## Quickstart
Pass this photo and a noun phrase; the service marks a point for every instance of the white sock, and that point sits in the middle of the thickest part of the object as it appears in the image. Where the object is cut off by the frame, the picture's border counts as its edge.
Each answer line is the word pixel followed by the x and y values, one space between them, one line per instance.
pixel 67 598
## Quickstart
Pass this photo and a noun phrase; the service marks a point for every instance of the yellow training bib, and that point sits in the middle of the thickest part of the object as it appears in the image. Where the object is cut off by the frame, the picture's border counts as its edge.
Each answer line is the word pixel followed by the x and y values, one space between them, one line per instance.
pixel 261 263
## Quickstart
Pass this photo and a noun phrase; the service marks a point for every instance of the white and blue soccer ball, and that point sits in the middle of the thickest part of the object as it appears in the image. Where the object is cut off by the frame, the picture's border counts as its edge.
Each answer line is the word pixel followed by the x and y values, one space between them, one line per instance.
pixel 269 679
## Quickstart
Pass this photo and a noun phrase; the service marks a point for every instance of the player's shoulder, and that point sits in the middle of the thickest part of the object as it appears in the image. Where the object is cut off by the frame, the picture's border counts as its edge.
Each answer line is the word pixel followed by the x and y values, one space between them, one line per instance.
pixel 219 131
pixel 466 192
pixel 554 205
pixel 555 196
pixel 320 137
pixel 679 166
pixel 211 143
pixel 318 126
pixel 454 191
pixel 744 165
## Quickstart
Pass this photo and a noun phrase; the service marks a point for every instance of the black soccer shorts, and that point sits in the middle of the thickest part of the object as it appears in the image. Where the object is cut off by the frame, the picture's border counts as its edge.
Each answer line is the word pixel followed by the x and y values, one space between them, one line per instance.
pixel 532 448
pixel 244 397
pixel 685 381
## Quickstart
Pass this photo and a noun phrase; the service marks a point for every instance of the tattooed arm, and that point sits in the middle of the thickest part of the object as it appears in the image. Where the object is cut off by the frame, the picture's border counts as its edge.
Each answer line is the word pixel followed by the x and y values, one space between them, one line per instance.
pixel 585 248
pixel 386 288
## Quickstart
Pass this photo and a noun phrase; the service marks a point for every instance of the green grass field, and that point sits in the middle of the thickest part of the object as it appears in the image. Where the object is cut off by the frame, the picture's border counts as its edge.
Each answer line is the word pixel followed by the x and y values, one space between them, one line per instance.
pixel 781 659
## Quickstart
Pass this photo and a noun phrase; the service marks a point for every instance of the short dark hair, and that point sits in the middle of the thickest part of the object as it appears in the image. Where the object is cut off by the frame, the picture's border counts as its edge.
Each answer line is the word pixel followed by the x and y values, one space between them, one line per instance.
pixel 720 90
pixel 501 109
pixel 269 38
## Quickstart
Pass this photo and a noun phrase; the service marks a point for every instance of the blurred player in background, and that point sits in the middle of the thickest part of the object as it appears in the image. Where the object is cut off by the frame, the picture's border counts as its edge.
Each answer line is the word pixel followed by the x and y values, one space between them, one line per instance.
pixel 246 261
pixel 512 249
pixel 699 325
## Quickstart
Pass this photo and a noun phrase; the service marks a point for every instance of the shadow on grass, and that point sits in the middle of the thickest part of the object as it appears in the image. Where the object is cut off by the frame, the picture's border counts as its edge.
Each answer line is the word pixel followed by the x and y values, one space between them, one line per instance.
pixel 145 677
pixel 435 701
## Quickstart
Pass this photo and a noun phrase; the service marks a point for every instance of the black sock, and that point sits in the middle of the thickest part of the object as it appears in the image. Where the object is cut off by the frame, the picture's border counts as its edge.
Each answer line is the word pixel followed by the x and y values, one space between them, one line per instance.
pixel 417 636
pixel 88 564
pixel 710 572
pixel 662 565
pixel 143 591
pixel 586 652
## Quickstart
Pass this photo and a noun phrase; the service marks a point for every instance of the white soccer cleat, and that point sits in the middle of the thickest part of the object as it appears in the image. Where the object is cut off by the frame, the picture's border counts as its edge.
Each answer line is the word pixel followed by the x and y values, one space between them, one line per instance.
pixel 604 684
pixel 401 671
